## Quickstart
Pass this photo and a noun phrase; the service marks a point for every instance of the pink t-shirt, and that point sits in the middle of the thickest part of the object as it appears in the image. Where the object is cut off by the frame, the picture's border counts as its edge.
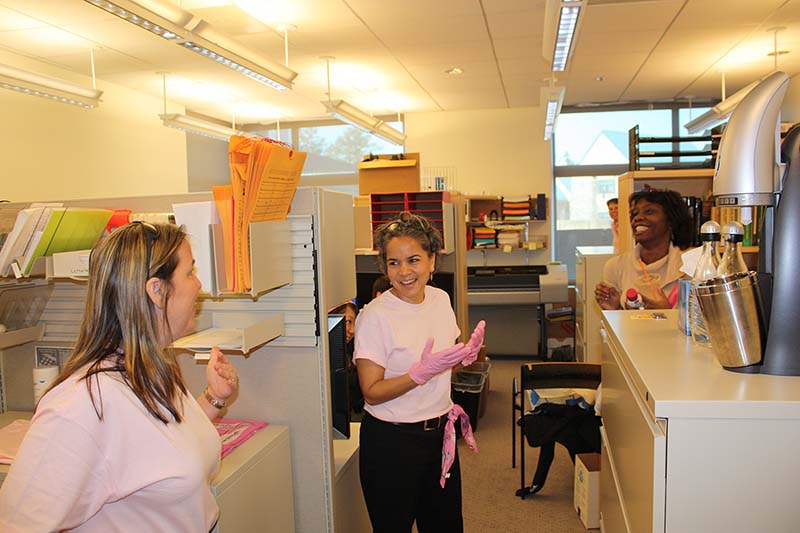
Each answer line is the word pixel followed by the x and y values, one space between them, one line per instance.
pixel 392 333
pixel 127 473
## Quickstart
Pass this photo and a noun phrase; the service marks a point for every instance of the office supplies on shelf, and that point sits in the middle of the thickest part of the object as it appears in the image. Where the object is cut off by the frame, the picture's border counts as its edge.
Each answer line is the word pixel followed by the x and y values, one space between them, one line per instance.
pixel 198 217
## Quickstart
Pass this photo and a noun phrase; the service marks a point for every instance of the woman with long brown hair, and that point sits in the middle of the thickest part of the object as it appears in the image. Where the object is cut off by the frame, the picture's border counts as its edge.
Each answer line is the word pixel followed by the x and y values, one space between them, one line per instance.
pixel 117 443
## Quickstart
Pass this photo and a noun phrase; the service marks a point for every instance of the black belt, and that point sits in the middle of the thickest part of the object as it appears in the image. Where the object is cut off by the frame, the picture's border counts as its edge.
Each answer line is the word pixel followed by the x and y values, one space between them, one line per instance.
pixel 431 424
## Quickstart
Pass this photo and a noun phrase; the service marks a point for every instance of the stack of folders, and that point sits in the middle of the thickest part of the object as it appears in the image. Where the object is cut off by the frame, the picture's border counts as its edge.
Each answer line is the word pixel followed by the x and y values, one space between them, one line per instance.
pixel 45 229
pixel 264 177
pixel 517 208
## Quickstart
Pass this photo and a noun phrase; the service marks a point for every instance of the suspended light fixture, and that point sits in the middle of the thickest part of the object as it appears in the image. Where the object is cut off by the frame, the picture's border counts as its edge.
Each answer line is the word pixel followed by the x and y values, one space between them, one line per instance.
pixel 190 124
pixel 359 118
pixel 551 99
pixel 46 87
pixel 560 26
pixel 198 126
pixel 720 112
pixel 194 34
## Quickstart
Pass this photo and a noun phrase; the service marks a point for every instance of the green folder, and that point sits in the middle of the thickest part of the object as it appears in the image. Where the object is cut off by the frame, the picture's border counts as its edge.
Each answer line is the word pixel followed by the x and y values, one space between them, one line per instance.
pixel 44 241
pixel 75 229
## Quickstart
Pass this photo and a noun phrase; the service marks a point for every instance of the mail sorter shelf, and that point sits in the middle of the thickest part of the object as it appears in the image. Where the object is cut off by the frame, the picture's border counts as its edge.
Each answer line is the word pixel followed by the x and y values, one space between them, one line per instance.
pixel 270 258
pixel 237 332
pixel 21 306
pixel 433 205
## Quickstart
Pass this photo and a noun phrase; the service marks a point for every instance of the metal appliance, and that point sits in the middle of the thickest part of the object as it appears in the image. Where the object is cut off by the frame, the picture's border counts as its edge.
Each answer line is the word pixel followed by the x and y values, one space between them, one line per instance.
pixel 748 173
pixel 510 298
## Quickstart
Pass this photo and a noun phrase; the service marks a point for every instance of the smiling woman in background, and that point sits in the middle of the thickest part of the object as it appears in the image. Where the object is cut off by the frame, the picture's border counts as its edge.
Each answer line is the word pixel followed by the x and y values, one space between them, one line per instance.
pixel 662 230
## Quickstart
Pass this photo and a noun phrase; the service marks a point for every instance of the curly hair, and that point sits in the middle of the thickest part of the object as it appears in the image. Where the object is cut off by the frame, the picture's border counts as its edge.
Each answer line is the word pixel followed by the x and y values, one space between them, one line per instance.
pixel 676 210
pixel 407 224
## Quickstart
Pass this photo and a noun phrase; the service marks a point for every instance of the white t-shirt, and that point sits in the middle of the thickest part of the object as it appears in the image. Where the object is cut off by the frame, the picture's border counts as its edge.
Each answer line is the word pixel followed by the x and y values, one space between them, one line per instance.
pixel 623 271
pixel 127 473
pixel 392 333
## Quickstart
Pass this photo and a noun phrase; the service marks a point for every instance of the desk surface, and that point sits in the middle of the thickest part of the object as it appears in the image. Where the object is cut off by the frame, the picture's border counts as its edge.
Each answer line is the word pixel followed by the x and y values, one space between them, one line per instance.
pixel 681 379
pixel 230 468
pixel 345 450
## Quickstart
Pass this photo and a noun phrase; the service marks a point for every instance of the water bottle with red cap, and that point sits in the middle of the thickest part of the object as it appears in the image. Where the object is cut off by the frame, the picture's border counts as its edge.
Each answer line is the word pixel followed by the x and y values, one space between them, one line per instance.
pixel 633 300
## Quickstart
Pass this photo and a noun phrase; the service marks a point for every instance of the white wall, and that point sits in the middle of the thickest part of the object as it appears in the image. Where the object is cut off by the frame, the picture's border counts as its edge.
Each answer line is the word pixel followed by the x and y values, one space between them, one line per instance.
pixel 495 151
pixel 53 151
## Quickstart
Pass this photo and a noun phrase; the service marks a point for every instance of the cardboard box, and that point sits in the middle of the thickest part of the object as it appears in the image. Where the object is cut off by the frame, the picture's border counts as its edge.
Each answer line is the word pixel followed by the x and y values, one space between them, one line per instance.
pixel 387 175
pixel 587 489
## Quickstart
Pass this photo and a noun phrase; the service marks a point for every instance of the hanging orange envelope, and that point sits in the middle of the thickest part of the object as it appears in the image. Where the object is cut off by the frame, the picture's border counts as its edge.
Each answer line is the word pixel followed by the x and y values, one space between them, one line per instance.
pixel 276 186
pixel 271 188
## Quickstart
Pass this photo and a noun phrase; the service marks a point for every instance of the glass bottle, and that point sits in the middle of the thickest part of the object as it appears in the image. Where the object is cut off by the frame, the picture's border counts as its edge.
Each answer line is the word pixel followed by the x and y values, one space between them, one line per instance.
pixel 732 261
pixel 706 269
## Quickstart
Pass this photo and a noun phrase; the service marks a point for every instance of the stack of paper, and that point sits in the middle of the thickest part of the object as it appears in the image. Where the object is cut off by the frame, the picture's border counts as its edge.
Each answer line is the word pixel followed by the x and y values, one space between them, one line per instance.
pixel 264 177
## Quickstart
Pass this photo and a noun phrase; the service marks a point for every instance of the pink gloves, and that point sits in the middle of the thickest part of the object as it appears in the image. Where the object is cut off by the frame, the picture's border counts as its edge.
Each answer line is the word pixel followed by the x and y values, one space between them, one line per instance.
pixel 475 342
pixel 431 364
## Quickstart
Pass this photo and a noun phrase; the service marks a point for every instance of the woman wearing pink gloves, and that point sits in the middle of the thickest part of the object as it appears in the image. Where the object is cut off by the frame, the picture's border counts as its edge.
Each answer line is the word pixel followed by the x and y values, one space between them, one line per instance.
pixel 404 351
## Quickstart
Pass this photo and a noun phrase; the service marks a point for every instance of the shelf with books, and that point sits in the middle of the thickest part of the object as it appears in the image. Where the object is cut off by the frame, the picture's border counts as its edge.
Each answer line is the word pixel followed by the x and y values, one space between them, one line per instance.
pixel 522 209
pixel 505 223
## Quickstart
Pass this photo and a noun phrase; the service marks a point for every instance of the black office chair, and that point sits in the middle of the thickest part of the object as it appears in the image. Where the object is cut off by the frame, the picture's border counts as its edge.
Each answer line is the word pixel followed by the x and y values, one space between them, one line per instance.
pixel 571 425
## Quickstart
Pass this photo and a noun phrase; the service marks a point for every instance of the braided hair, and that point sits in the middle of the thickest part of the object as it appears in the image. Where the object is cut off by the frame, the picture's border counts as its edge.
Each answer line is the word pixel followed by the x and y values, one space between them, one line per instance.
pixel 407 224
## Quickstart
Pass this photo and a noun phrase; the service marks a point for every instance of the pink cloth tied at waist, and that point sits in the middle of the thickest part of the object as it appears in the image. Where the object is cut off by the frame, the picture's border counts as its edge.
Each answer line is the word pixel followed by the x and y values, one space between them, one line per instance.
pixel 449 442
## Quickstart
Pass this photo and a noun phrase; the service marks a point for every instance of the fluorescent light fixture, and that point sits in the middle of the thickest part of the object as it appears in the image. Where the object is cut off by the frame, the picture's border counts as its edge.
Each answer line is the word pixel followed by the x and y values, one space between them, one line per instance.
pixel 46 87
pixel 719 112
pixel 214 45
pixel 198 126
pixel 179 26
pixel 163 19
pixel 364 121
pixel 560 25
pixel 551 99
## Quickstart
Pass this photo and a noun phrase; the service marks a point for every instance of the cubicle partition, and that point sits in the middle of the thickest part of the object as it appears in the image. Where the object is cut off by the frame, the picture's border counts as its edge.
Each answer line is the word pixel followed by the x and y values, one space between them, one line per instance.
pixel 285 381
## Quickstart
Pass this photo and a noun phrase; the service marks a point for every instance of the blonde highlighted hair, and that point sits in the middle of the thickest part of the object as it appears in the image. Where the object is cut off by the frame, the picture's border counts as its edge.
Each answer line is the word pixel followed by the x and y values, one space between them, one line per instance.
pixel 120 331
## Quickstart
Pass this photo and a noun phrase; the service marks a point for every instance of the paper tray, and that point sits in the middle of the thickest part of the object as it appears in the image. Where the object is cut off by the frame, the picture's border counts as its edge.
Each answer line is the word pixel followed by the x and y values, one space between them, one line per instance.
pixel 232 332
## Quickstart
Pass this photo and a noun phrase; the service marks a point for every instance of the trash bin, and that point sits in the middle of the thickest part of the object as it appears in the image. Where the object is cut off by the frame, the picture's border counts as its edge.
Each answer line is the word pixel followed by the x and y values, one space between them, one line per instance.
pixel 467 385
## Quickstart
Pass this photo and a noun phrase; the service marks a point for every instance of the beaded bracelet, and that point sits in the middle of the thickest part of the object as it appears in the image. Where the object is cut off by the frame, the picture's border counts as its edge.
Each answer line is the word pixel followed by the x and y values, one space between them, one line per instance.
pixel 215 403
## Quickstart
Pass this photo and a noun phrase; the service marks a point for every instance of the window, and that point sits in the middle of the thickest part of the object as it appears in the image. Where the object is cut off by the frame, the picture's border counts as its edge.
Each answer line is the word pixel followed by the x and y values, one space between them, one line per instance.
pixel 590 152
pixel 334 150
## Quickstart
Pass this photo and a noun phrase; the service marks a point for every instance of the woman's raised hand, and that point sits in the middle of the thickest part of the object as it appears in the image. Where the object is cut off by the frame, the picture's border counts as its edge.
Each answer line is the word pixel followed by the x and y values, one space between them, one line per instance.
pixel 431 364
pixel 475 342
pixel 221 376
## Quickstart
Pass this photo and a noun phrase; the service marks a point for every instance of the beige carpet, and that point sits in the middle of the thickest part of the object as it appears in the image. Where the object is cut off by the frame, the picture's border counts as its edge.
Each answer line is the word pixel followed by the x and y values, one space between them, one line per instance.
pixel 489 482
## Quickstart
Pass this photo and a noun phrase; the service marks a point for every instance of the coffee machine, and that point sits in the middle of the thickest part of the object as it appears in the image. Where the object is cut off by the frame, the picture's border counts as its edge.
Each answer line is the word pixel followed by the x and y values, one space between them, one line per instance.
pixel 749 173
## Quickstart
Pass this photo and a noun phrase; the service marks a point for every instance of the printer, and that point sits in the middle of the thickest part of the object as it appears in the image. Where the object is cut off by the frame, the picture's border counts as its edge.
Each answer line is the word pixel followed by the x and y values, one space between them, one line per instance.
pixel 516 285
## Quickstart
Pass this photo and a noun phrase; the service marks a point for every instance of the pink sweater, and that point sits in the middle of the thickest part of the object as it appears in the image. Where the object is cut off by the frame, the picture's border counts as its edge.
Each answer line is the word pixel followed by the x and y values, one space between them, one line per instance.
pixel 128 472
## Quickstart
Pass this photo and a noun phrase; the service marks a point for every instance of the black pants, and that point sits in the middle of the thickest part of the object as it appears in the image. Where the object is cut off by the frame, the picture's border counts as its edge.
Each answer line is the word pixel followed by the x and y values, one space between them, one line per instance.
pixel 400 471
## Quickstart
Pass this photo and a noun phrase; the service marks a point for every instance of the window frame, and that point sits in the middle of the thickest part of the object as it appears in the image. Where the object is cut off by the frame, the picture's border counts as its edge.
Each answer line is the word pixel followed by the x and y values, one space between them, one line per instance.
pixel 569 171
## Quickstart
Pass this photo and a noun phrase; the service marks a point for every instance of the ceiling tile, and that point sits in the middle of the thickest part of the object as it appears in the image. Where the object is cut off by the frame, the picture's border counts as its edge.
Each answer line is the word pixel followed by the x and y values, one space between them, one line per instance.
pixel 524 47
